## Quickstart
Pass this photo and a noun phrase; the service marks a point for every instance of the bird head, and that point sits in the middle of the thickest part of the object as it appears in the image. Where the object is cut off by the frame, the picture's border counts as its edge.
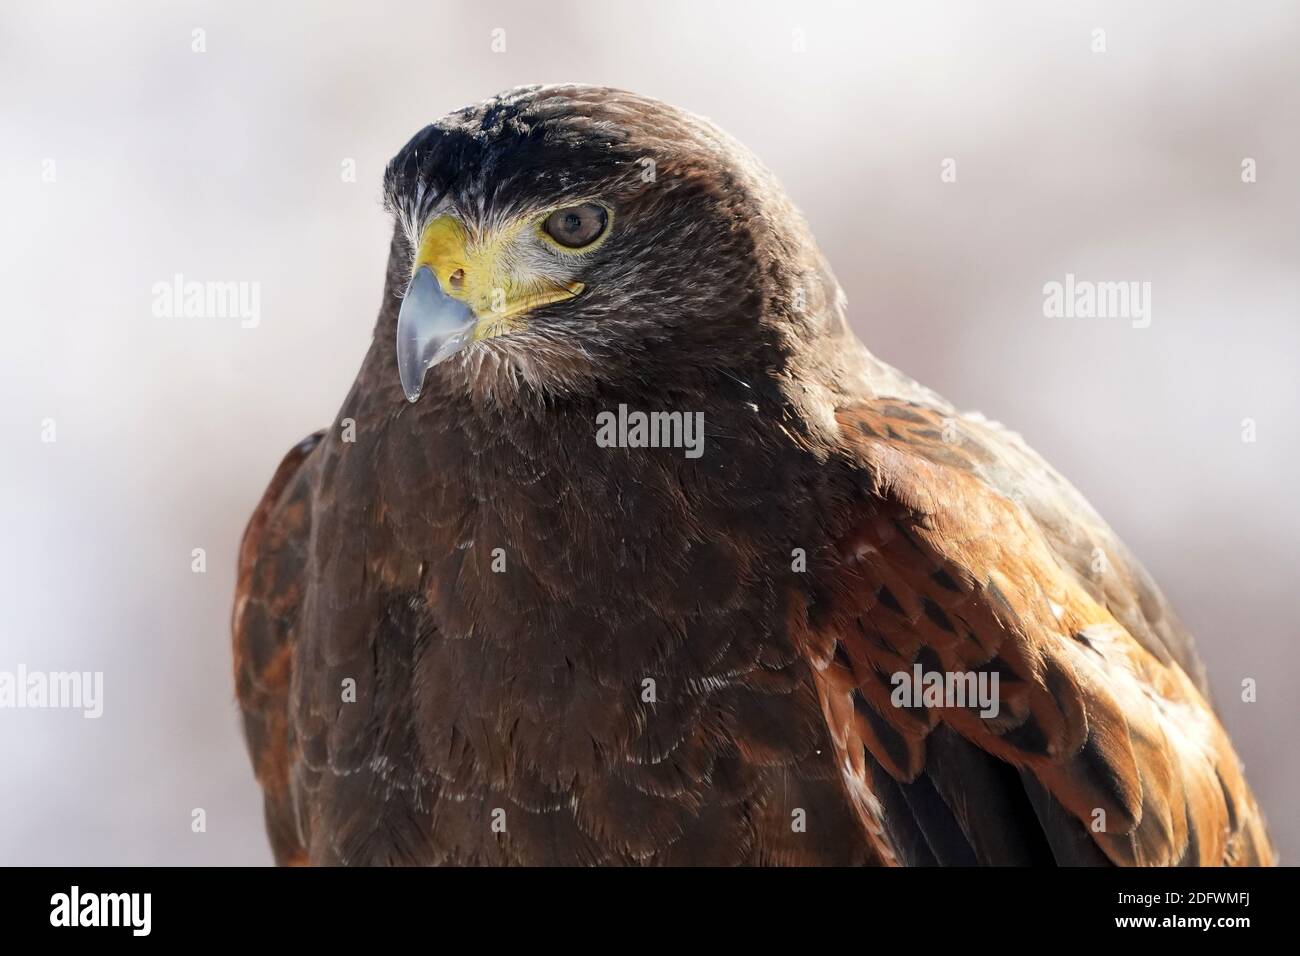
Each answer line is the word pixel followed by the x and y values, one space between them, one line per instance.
pixel 577 234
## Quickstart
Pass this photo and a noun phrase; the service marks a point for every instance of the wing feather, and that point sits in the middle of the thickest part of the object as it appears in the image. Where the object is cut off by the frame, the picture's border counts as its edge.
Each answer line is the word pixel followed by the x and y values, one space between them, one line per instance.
pixel 268 598
pixel 952 557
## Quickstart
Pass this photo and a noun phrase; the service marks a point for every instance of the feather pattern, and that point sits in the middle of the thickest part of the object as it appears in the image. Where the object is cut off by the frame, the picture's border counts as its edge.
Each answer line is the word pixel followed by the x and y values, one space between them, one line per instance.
pixel 465 634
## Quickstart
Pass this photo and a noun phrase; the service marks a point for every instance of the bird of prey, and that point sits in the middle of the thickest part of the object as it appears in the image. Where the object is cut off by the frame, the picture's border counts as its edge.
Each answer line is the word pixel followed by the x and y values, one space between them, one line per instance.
pixel 622 549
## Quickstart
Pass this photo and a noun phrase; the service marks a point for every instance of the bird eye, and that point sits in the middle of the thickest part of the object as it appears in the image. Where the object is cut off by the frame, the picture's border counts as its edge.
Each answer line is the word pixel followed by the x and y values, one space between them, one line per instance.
pixel 576 226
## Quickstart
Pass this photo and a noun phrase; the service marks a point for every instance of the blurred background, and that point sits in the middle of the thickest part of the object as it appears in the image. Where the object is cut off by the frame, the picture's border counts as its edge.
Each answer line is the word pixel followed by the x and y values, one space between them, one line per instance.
pixel 128 155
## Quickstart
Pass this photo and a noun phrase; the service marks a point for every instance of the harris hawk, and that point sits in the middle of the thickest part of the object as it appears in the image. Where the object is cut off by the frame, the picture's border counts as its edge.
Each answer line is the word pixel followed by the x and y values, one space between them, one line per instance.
pixel 468 632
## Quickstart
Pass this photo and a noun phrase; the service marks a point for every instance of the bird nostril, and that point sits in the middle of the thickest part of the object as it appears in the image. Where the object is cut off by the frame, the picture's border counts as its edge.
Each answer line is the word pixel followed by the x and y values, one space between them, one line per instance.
pixel 456 279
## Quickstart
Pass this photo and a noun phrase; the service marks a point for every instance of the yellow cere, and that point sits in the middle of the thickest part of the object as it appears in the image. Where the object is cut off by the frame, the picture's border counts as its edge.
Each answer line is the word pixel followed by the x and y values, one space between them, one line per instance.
pixel 480 272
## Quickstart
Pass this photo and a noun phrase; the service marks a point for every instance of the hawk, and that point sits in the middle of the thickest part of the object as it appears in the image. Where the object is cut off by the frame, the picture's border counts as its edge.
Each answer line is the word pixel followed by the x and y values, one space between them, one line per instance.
pixel 852 626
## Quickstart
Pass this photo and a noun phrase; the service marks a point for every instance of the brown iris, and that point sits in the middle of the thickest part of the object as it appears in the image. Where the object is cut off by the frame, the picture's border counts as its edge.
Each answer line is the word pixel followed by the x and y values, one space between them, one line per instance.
pixel 576 226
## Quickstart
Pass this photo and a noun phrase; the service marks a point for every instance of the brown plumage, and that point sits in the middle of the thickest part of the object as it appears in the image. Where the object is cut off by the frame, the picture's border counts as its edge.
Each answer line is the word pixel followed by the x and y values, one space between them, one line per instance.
pixel 562 653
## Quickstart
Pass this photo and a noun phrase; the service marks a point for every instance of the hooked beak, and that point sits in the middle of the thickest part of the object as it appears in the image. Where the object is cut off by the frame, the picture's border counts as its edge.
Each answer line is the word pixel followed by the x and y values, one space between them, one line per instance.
pixel 431 326
pixel 462 292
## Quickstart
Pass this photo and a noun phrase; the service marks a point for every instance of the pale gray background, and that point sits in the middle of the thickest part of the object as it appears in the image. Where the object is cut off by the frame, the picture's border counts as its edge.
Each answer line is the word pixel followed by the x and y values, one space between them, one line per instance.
pixel 226 166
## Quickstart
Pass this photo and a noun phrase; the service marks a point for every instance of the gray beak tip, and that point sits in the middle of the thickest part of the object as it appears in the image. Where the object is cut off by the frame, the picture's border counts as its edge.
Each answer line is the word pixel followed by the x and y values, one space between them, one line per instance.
pixel 431 326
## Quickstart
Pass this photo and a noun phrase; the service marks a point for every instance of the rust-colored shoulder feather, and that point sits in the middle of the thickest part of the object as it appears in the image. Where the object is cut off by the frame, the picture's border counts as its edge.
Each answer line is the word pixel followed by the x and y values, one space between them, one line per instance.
pixel 268 596
pixel 1104 748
